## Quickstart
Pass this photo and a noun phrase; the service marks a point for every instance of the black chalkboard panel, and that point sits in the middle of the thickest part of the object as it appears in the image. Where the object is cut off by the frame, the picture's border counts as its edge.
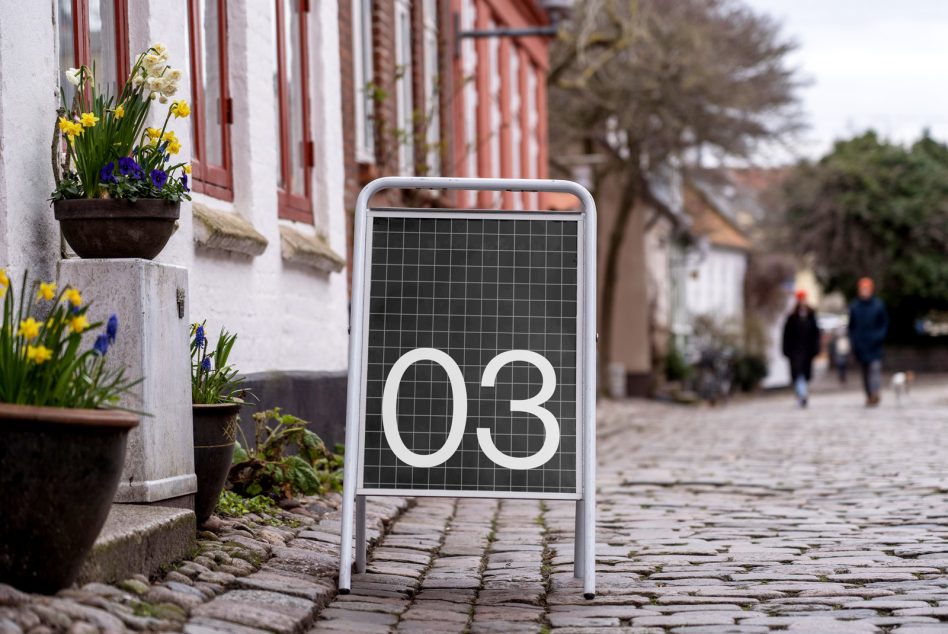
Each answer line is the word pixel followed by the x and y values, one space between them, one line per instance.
pixel 471 322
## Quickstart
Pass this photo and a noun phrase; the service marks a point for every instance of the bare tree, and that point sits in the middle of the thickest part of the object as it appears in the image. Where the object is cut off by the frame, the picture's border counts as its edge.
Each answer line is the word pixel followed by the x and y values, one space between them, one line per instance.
pixel 644 84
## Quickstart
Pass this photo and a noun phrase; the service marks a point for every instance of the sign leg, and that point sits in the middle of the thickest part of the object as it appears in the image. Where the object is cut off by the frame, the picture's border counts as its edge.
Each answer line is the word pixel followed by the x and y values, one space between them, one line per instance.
pixel 578 542
pixel 345 541
pixel 589 541
pixel 360 540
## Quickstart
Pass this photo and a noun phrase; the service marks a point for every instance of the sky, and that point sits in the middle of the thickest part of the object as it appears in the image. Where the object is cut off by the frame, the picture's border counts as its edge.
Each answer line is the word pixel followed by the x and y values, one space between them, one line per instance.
pixel 880 64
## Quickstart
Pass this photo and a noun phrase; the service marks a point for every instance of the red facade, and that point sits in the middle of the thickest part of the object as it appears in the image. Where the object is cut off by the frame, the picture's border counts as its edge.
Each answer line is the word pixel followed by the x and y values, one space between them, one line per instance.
pixel 418 100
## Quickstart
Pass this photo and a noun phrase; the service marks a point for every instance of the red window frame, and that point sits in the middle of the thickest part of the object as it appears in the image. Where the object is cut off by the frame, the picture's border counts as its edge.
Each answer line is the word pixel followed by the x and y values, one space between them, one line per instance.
pixel 82 38
pixel 293 206
pixel 213 180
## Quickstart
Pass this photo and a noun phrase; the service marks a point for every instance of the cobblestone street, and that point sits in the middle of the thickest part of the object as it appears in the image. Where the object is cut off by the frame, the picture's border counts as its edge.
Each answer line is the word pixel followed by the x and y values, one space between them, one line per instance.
pixel 753 517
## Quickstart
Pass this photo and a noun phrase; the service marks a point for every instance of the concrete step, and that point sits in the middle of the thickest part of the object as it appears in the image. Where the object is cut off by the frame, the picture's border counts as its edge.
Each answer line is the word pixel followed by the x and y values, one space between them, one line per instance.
pixel 139 539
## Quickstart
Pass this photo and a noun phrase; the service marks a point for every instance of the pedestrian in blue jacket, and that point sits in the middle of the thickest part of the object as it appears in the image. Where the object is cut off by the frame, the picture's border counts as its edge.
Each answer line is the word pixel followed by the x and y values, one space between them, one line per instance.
pixel 868 325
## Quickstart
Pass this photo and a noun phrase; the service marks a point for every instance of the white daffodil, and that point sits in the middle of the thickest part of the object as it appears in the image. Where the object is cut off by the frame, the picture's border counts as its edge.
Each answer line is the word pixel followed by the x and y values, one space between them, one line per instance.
pixel 74 75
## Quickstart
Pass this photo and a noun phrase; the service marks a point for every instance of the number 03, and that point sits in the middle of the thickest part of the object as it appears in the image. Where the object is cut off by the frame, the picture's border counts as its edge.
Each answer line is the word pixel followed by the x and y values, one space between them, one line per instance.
pixel 531 405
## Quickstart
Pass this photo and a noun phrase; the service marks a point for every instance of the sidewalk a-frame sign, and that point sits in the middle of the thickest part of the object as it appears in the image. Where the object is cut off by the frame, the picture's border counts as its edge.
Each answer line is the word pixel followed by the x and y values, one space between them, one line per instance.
pixel 472 356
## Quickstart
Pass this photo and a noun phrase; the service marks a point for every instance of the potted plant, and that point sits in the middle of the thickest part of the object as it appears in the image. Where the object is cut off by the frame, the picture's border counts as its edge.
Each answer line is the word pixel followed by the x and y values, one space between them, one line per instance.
pixel 61 446
pixel 216 396
pixel 119 187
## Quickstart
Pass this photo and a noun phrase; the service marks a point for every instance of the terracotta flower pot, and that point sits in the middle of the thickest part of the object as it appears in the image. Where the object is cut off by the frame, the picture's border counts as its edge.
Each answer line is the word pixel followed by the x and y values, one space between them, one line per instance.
pixel 215 431
pixel 61 468
pixel 115 228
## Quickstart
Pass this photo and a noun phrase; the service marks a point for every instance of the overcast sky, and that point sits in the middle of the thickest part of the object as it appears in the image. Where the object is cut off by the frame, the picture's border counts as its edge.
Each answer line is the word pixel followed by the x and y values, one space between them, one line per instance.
pixel 879 64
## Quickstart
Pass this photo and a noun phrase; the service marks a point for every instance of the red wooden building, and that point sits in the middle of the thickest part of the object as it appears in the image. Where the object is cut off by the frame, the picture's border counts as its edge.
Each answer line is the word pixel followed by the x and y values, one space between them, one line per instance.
pixel 420 98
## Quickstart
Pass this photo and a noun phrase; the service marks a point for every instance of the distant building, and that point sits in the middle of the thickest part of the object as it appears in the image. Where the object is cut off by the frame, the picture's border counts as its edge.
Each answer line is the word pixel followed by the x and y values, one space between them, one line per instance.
pixel 714 278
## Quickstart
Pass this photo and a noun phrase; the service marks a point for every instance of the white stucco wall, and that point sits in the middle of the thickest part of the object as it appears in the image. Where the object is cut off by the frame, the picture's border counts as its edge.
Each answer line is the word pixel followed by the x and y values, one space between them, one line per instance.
pixel 715 286
pixel 29 96
pixel 287 316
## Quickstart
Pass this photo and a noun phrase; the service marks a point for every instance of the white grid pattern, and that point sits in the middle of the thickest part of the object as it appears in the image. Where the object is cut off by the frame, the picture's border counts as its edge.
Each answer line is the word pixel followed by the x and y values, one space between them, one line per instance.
pixel 449 283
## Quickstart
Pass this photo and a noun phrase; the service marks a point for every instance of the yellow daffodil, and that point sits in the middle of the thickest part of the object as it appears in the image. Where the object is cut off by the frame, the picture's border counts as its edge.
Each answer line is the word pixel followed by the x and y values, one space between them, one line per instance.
pixel 88 119
pixel 29 329
pixel 119 112
pixel 4 282
pixel 73 296
pixel 153 133
pixel 187 168
pixel 78 323
pixel 169 136
pixel 38 354
pixel 47 291
pixel 70 128
pixel 174 147
pixel 180 109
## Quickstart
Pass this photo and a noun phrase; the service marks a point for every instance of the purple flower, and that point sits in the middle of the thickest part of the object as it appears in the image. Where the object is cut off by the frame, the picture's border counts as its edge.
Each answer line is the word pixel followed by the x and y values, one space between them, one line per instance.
pixel 128 167
pixel 184 182
pixel 199 337
pixel 111 328
pixel 101 345
pixel 206 364
pixel 159 178
pixel 107 173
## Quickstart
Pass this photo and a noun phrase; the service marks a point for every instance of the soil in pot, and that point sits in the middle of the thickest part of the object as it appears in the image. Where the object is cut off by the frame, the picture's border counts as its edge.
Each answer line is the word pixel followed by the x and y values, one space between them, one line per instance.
pixel 116 228
pixel 215 431
pixel 61 468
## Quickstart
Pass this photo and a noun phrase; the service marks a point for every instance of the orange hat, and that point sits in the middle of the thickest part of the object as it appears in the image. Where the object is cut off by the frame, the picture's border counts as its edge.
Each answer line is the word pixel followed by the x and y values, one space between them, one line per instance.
pixel 866 282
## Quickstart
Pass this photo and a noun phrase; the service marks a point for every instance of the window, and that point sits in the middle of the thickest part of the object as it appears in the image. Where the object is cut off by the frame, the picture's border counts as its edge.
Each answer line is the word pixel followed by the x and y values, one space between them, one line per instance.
pixel 211 164
pixel 432 99
pixel 292 87
pixel 468 71
pixel 516 135
pixel 363 76
pixel 493 56
pixel 404 105
pixel 94 33
pixel 533 135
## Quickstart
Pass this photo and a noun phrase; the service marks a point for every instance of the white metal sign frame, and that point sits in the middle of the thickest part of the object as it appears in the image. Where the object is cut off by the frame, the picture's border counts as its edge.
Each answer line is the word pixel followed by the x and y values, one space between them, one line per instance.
pixel 353 504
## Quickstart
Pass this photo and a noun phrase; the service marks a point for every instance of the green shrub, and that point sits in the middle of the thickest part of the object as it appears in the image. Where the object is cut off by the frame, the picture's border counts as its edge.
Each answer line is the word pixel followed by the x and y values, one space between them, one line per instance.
pixel 676 369
pixel 749 371
pixel 232 505
pixel 271 470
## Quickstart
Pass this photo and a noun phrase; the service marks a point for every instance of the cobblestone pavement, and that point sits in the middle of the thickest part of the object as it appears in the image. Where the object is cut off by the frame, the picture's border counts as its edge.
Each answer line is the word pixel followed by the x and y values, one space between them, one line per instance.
pixel 753 517
pixel 251 575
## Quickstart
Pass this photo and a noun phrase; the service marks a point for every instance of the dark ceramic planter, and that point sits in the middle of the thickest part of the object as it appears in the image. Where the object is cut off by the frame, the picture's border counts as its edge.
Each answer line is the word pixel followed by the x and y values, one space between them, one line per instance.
pixel 114 228
pixel 61 468
pixel 215 430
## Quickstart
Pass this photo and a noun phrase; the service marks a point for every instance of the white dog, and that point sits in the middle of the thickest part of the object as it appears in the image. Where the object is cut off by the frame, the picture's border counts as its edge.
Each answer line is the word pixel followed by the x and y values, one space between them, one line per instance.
pixel 901 384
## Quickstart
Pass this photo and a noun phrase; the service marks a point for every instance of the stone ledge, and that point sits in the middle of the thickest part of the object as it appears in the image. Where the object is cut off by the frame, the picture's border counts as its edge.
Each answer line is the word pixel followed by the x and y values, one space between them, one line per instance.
pixel 138 539
pixel 217 229
pixel 309 250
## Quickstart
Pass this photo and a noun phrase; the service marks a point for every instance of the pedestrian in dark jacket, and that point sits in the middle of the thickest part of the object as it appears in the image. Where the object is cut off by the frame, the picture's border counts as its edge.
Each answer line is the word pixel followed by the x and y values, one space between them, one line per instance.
pixel 868 325
pixel 801 343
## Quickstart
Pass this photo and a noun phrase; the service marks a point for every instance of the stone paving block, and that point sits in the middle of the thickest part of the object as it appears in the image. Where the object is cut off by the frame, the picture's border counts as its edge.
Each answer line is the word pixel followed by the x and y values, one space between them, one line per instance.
pixel 214 626
pixel 721 629
pixel 566 619
pixel 357 616
pixel 256 616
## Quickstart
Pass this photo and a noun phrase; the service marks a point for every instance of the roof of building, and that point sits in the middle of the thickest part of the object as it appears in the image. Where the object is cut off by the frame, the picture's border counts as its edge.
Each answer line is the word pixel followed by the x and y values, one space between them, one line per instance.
pixel 709 222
